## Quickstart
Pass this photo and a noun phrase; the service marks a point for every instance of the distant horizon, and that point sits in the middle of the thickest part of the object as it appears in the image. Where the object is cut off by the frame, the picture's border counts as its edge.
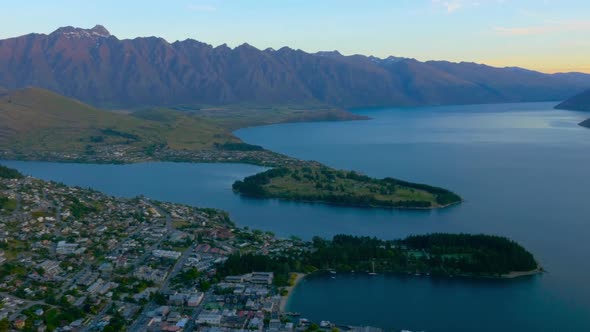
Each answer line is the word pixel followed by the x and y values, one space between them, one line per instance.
pixel 310 52
pixel 543 35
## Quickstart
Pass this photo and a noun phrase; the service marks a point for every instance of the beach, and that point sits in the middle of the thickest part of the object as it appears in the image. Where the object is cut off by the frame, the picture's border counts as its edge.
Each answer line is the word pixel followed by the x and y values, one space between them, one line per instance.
pixel 513 275
pixel 285 298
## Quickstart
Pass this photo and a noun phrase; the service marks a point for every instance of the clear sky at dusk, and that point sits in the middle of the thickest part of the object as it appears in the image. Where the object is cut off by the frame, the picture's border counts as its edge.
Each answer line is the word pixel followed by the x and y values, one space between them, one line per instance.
pixel 546 35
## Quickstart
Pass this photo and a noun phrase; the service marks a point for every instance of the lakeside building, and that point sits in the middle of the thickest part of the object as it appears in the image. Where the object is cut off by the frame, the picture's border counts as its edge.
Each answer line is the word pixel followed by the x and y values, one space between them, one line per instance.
pixel 264 278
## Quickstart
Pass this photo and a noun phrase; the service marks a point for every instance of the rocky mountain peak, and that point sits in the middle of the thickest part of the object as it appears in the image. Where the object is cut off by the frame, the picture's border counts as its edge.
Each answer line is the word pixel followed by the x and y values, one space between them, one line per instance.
pixel 98 31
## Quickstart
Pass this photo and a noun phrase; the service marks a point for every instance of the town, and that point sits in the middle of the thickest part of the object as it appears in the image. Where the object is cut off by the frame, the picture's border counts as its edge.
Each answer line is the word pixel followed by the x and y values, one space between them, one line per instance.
pixel 74 259
pixel 127 154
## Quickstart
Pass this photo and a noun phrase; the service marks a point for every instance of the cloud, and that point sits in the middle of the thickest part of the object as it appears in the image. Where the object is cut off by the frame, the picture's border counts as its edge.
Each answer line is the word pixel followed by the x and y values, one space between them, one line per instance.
pixel 549 27
pixel 201 8
pixel 452 6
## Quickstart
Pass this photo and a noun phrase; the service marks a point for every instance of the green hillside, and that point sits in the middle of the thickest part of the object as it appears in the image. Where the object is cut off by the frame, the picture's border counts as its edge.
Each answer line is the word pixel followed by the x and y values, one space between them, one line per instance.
pixel 38 120
pixel 34 120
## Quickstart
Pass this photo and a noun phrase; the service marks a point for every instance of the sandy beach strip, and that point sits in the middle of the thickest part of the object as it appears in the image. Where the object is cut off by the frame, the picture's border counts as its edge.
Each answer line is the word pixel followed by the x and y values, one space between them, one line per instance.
pixel 512 275
pixel 285 299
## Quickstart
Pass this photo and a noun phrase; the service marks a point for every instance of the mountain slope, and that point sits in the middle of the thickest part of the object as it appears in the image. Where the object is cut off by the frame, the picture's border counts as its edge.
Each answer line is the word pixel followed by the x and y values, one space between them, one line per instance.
pixel 37 120
pixel 579 102
pixel 40 124
pixel 93 66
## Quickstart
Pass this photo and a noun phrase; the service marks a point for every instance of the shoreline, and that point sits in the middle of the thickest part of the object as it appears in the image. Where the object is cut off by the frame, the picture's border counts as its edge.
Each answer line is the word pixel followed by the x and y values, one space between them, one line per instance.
pixel 410 274
pixel 262 158
pixel 514 274
pixel 243 162
pixel 356 206
pixel 208 155
pixel 285 299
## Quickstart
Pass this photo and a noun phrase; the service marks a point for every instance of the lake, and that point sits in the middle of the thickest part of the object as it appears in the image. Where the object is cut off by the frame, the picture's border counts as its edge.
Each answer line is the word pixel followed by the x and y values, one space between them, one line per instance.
pixel 521 168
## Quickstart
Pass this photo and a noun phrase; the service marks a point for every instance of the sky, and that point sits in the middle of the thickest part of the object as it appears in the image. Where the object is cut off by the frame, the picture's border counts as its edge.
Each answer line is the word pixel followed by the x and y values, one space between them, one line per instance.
pixel 544 35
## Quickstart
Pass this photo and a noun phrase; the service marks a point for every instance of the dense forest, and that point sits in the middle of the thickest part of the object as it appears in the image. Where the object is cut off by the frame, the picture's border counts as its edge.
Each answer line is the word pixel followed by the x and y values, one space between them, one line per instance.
pixel 474 253
pixel 9 173
pixel 436 254
pixel 323 184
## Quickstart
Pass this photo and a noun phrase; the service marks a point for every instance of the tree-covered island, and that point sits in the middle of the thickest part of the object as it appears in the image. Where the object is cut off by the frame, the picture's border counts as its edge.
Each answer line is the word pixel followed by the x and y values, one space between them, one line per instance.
pixel 318 183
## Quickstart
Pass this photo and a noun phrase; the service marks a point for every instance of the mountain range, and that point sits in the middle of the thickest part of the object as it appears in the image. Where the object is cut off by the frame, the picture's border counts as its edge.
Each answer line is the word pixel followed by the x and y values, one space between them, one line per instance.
pixel 96 67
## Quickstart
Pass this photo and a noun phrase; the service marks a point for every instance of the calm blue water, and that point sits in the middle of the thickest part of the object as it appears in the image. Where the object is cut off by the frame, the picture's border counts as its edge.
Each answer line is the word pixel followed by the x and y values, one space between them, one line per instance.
pixel 522 169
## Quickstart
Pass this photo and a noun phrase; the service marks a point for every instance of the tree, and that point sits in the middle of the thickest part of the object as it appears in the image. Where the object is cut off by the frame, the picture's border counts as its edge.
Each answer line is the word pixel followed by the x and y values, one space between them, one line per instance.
pixel 4 325
pixel 159 298
pixel 313 327
pixel 204 285
pixel 9 173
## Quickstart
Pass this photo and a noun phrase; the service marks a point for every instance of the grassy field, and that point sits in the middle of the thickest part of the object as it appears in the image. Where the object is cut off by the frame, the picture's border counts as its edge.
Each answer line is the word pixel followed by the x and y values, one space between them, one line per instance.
pixel 186 131
pixel 179 224
pixel 36 119
pixel 7 205
pixel 323 184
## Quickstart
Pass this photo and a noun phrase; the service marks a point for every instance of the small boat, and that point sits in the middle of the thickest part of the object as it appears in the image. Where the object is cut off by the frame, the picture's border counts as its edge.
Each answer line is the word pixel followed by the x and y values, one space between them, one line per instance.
pixel 325 323
pixel 332 272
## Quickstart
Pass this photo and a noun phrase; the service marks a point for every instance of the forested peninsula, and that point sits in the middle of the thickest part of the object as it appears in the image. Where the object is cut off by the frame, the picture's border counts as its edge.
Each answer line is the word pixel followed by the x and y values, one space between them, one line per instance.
pixel 321 184
pixel 438 254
